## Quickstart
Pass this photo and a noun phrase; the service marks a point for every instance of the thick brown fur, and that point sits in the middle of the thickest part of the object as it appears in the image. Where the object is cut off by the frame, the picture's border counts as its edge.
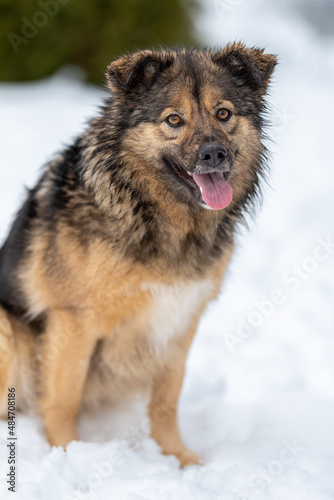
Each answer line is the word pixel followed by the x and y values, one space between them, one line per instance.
pixel 112 260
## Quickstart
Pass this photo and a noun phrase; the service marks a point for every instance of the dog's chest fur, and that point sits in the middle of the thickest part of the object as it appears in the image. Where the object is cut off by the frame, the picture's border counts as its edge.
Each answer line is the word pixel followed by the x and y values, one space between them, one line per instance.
pixel 143 343
pixel 173 307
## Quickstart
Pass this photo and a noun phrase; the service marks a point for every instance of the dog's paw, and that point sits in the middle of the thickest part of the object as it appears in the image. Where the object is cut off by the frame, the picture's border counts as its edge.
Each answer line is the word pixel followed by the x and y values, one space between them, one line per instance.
pixel 187 457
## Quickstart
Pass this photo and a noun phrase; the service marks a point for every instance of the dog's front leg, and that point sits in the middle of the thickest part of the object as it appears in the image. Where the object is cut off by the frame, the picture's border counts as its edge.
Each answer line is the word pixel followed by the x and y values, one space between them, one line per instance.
pixel 167 387
pixel 163 404
pixel 66 354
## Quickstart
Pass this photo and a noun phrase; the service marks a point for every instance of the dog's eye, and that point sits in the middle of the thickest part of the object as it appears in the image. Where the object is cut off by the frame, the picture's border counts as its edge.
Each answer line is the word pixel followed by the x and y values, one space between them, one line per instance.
pixel 174 120
pixel 224 114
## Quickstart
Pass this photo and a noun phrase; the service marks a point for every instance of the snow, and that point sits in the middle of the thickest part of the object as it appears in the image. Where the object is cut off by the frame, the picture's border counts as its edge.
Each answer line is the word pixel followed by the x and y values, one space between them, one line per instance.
pixel 258 398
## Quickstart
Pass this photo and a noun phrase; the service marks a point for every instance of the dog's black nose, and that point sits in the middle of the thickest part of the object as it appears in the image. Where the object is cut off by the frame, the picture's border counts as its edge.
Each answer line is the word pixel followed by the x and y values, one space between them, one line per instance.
pixel 212 154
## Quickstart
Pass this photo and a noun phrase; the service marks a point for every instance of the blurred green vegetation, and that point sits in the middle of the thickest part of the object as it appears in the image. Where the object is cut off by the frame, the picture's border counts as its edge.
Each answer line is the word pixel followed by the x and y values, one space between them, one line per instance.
pixel 39 36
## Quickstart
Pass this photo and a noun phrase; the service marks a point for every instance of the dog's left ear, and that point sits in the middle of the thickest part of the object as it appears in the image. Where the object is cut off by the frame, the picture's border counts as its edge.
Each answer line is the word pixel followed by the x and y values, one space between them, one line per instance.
pixel 138 70
pixel 248 66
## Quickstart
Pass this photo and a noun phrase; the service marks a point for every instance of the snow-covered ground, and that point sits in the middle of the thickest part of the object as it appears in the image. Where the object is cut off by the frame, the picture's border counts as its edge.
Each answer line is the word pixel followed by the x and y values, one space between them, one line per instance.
pixel 258 398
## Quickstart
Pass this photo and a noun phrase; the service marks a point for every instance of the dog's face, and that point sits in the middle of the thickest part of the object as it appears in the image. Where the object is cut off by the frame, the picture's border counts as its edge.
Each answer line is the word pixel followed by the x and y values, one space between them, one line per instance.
pixel 194 118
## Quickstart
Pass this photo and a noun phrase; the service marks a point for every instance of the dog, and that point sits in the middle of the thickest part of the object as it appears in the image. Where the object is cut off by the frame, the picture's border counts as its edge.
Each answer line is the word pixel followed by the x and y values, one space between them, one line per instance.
pixel 125 239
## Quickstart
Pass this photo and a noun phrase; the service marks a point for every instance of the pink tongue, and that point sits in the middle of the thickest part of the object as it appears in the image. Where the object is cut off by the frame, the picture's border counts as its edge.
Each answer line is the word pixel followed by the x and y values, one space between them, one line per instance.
pixel 216 192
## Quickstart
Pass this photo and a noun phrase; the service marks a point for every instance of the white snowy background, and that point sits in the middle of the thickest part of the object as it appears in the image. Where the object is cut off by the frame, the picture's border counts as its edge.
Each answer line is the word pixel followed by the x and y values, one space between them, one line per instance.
pixel 258 398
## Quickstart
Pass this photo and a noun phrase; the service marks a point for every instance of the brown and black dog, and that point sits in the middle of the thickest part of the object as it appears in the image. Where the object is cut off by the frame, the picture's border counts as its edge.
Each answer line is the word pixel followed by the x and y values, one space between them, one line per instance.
pixel 124 240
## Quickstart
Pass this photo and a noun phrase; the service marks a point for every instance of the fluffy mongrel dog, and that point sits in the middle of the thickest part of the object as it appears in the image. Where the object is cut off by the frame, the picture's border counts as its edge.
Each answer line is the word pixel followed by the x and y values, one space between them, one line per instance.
pixel 125 239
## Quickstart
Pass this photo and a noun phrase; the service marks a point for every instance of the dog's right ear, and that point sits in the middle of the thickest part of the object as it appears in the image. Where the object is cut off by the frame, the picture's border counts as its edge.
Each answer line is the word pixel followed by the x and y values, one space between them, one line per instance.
pixel 137 71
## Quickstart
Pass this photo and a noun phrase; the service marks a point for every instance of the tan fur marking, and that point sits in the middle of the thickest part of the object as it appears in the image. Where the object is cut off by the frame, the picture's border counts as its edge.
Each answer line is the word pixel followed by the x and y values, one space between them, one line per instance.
pixel 7 359
pixel 62 388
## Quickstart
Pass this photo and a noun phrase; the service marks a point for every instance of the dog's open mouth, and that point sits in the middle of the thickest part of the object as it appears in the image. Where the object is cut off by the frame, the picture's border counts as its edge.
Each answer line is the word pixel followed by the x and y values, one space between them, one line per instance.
pixel 211 188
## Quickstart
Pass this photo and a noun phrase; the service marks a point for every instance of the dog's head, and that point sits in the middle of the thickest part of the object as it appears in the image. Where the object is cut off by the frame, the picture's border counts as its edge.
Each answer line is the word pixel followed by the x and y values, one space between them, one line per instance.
pixel 194 118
